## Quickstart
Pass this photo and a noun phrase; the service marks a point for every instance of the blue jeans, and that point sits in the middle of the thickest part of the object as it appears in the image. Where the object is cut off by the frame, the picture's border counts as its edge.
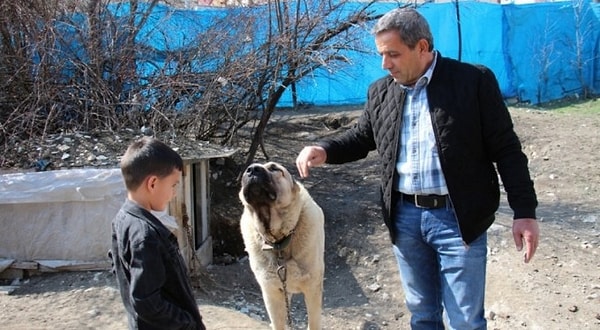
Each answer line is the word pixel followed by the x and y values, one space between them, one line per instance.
pixel 439 273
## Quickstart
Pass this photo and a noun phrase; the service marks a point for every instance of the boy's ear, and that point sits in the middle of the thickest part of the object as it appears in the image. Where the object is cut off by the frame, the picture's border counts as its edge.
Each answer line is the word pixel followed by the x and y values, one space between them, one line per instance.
pixel 151 182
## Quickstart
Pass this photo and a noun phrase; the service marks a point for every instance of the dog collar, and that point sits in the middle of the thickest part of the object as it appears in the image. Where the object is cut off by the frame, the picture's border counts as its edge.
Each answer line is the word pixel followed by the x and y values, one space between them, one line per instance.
pixel 279 245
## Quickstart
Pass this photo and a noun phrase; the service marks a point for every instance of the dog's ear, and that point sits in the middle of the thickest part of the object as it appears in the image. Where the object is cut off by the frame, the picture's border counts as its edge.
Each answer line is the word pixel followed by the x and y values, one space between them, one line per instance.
pixel 295 185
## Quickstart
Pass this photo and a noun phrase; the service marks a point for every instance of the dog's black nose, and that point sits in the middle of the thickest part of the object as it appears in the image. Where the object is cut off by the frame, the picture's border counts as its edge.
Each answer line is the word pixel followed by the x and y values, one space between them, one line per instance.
pixel 254 169
pixel 251 169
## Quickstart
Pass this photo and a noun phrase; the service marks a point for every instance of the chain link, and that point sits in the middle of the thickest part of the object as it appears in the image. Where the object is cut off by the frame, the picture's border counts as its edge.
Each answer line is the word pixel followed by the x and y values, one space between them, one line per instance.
pixel 282 273
pixel 185 220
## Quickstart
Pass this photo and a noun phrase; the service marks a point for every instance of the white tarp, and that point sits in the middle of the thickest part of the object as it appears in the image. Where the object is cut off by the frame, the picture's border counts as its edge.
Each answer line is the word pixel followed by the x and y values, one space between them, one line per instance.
pixel 59 217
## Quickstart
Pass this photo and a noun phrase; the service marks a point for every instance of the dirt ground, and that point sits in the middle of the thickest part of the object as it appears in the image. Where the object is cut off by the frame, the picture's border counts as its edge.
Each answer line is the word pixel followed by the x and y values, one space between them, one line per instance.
pixel 559 289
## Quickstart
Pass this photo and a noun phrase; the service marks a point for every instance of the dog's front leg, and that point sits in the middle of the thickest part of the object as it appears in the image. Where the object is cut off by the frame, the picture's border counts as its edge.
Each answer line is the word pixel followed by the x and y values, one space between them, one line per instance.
pixel 313 299
pixel 276 307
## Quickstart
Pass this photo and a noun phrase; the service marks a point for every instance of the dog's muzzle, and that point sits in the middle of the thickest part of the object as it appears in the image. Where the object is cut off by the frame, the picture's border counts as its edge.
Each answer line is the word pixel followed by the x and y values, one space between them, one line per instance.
pixel 257 185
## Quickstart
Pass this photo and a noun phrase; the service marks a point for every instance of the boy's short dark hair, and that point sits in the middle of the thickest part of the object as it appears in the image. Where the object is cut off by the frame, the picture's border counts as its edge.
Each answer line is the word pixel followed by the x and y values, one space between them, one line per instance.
pixel 148 156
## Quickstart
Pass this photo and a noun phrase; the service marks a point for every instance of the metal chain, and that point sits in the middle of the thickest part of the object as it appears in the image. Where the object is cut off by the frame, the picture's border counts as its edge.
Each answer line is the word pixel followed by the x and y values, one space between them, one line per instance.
pixel 282 273
pixel 185 219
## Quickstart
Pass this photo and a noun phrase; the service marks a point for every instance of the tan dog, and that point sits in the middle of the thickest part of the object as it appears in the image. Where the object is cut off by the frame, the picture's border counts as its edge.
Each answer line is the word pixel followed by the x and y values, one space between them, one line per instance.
pixel 283 232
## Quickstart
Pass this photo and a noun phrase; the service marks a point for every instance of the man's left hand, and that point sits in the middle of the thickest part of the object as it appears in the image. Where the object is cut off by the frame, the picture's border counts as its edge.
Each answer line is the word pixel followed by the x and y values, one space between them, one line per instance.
pixel 526 231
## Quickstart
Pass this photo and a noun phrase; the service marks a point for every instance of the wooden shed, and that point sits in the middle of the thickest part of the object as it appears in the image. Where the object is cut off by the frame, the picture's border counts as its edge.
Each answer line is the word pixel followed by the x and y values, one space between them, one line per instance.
pixel 191 207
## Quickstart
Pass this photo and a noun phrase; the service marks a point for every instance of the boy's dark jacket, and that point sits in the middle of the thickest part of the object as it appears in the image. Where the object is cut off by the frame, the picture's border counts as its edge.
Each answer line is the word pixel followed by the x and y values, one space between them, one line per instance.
pixel 151 273
pixel 473 130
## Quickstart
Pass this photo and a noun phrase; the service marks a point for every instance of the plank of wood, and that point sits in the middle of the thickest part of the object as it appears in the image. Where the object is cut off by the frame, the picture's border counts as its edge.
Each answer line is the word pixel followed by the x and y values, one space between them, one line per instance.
pixel 8 289
pixel 24 265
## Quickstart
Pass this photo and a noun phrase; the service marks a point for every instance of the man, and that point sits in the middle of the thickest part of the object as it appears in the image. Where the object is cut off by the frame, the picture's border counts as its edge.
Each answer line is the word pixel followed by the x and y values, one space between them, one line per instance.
pixel 441 128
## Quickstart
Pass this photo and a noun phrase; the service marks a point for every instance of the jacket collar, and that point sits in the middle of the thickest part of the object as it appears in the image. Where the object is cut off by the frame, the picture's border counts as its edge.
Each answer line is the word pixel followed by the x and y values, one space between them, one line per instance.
pixel 141 213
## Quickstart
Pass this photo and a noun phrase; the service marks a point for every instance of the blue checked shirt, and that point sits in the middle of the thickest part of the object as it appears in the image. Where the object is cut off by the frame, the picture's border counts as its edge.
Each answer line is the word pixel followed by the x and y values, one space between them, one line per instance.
pixel 418 165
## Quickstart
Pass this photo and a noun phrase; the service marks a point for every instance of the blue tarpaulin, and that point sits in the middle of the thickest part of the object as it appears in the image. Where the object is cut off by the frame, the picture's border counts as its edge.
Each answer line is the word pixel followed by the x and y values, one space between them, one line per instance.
pixel 539 52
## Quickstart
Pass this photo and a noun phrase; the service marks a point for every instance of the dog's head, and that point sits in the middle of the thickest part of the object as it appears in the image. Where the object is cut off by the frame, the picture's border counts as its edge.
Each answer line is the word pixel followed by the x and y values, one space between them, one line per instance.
pixel 268 184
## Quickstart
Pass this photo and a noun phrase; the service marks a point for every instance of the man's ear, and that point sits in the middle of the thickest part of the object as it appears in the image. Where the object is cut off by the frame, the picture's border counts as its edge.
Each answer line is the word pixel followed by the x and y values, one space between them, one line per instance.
pixel 423 46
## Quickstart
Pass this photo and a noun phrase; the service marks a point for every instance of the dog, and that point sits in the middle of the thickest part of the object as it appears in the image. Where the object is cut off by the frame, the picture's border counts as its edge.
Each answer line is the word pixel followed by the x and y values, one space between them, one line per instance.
pixel 283 232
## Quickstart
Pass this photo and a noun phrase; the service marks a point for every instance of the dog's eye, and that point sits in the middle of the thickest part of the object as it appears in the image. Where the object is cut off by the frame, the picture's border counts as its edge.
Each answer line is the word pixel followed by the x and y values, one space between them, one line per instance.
pixel 274 168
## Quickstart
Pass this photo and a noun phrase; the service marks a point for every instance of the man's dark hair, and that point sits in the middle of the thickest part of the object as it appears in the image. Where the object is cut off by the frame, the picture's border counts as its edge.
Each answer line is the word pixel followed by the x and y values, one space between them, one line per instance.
pixel 409 23
pixel 148 156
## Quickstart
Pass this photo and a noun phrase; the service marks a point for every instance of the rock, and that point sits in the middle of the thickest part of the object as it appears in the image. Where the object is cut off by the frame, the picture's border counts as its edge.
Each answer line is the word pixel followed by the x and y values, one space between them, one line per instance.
pixel 374 287
pixel 93 312
pixel 63 147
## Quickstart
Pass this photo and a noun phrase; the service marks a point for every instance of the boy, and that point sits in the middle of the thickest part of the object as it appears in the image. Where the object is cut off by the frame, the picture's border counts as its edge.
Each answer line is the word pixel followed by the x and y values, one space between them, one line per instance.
pixel 151 273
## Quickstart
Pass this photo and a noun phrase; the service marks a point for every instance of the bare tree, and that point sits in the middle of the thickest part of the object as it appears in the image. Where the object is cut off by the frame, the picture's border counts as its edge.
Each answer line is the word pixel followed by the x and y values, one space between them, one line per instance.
pixel 95 65
pixel 65 65
pixel 303 36
pixel 545 49
pixel 583 31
